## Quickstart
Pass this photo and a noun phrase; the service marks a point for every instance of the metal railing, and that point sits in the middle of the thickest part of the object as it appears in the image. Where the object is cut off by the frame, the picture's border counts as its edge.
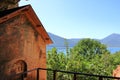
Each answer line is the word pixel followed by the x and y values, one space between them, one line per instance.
pixel 75 75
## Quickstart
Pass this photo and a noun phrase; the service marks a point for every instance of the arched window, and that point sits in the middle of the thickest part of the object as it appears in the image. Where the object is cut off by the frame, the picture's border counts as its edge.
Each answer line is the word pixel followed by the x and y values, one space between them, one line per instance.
pixel 20 67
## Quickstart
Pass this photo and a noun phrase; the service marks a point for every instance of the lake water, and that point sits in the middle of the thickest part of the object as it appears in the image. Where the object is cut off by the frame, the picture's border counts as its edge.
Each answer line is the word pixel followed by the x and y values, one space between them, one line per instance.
pixel 113 49
pixel 63 49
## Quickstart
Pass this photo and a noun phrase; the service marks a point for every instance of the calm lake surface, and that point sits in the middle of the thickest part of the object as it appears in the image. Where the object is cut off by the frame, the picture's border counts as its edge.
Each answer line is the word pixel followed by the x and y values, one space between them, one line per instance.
pixel 63 49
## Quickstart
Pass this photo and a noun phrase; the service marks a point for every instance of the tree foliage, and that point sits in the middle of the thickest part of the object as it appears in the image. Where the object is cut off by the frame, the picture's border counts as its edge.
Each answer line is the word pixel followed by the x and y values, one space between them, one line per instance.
pixel 88 56
pixel 89 48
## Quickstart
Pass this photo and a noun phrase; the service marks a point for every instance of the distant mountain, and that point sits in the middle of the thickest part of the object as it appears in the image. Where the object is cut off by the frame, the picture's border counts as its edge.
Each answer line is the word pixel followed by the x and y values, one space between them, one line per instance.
pixel 112 40
pixel 57 40
pixel 74 41
pixel 60 42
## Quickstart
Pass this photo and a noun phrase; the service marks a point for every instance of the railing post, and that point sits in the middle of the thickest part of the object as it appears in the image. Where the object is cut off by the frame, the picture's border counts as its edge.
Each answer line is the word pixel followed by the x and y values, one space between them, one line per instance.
pixel 22 76
pixel 54 75
pixel 74 78
pixel 100 78
pixel 37 77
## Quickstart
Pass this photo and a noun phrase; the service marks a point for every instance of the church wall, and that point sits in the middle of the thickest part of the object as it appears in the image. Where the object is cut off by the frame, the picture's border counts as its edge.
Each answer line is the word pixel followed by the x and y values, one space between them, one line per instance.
pixel 19 42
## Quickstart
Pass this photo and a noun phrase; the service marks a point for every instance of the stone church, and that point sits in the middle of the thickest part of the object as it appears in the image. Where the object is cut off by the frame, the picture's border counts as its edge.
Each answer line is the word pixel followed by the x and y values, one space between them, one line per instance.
pixel 23 41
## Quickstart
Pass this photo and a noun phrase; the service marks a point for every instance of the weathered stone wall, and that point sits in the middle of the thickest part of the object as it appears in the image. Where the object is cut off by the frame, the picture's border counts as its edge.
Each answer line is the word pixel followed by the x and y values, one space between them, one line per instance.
pixel 116 72
pixel 11 44
pixel 11 41
pixel 19 41
pixel 8 4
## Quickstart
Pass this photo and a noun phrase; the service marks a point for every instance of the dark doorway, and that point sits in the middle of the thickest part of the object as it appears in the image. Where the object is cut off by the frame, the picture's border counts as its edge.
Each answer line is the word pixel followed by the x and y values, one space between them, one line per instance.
pixel 19 67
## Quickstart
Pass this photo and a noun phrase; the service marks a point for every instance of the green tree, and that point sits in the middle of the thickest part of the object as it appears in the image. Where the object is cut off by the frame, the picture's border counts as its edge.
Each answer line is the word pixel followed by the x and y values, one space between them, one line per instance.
pixel 89 48
pixel 67 46
pixel 91 57
pixel 115 59
pixel 56 61
pixel 88 56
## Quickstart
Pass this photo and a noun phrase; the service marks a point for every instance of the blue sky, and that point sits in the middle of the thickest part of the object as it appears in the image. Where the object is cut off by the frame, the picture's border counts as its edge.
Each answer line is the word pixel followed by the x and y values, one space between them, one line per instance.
pixel 78 18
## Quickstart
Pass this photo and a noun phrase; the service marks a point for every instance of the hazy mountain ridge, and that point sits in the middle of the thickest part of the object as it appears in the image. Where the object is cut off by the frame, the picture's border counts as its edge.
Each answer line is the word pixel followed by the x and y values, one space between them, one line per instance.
pixel 59 41
pixel 112 40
